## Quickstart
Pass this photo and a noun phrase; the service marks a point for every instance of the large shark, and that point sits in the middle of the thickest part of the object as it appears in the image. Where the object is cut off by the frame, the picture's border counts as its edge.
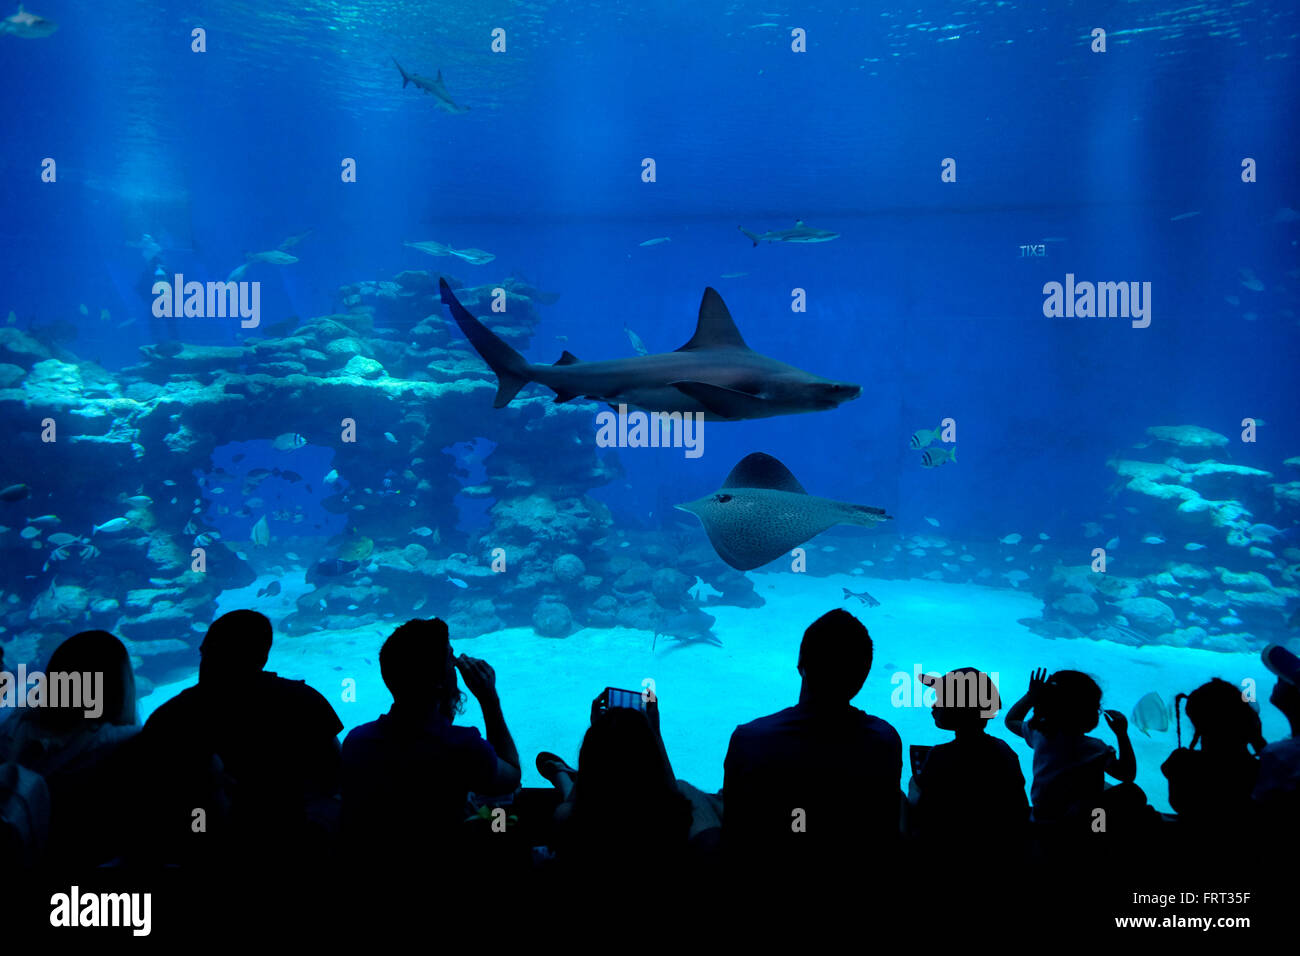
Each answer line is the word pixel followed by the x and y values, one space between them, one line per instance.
pixel 715 372
pixel 800 233
pixel 434 86
pixel 761 512
pixel 27 25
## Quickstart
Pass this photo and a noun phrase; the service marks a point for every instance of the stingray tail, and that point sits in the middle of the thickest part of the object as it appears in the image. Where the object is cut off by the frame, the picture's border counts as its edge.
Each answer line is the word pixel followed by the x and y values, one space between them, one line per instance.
pixel 865 515
pixel 510 367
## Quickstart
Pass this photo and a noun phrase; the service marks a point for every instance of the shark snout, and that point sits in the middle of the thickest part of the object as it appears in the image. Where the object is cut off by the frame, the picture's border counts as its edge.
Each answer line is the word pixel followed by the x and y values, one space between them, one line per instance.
pixel 837 393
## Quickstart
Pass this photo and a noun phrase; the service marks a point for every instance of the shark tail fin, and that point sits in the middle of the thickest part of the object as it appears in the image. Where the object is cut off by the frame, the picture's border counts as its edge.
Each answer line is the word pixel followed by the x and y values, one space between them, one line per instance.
pixel 405 79
pixel 752 237
pixel 510 367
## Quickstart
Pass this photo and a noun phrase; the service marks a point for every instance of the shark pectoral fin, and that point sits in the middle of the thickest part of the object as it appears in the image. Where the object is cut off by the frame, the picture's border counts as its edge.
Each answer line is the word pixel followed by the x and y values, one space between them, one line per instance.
pixel 721 401
pixel 563 395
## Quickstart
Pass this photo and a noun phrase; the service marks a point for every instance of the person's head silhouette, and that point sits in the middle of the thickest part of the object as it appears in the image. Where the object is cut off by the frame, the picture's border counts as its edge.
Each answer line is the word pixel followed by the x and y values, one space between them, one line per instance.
pixel 1069 703
pixel 834 659
pixel 419 668
pixel 235 648
pixel 95 653
pixel 1221 717
pixel 1286 692
pixel 965 699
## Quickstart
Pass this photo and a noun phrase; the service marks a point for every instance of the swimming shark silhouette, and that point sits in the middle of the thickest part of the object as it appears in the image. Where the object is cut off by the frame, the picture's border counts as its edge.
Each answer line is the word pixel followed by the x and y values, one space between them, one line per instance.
pixel 715 372
pixel 762 511
pixel 27 25
pixel 434 86
pixel 800 233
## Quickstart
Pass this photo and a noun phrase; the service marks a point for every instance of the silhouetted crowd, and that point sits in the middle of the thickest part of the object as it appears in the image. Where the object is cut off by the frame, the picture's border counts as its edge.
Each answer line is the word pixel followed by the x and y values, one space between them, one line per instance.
pixel 244 773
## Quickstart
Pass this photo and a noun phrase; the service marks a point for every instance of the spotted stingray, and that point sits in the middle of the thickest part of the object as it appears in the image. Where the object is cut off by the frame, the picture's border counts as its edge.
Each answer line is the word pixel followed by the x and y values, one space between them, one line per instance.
pixel 761 512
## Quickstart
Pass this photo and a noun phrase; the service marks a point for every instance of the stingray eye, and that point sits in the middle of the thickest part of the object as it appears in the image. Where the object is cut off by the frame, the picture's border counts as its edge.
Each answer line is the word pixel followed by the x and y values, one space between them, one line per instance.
pixel 722 499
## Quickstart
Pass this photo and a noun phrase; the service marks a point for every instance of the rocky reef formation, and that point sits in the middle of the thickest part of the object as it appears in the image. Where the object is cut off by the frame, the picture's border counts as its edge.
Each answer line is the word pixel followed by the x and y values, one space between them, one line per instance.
pixel 1200 553
pixel 133 455
pixel 1214 575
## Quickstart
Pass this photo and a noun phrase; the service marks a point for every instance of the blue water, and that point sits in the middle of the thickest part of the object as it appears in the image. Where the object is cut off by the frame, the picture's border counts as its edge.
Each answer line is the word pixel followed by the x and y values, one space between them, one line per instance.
pixel 925 299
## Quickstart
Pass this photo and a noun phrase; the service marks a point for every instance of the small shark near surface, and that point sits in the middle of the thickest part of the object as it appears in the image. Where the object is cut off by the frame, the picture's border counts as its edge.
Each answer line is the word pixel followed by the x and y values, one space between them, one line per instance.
pixel 862 596
pixel 434 86
pixel 800 233
pixel 715 372
pixel 26 25
pixel 476 257
pixel 762 512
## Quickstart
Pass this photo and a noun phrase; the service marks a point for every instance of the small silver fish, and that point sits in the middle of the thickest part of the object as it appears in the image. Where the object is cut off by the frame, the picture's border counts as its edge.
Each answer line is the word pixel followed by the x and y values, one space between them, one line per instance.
pixel 637 344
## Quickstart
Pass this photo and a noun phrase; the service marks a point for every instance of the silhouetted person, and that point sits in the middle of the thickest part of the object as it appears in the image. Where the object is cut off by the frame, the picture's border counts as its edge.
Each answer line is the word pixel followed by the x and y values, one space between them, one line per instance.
pixel 1070 767
pixel 817 783
pixel 628 821
pixel 1210 788
pixel 971 789
pixel 407 775
pixel 1277 791
pixel 78 752
pixel 266 746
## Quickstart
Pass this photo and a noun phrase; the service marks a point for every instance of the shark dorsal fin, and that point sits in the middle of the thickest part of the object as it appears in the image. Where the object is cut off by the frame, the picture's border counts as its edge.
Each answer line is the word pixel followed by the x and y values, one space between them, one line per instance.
pixel 715 328
pixel 759 470
pixel 567 358
pixel 440 76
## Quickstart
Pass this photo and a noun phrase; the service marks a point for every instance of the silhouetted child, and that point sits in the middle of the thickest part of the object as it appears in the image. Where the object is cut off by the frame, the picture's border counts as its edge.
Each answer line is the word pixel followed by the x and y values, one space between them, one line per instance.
pixel 1070 767
pixel 1277 792
pixel 972 787
pixel 1210 788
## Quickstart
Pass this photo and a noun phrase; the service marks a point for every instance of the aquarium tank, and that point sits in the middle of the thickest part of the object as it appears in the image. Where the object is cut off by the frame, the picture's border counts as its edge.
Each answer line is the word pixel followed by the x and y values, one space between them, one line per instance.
pixel 628 339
